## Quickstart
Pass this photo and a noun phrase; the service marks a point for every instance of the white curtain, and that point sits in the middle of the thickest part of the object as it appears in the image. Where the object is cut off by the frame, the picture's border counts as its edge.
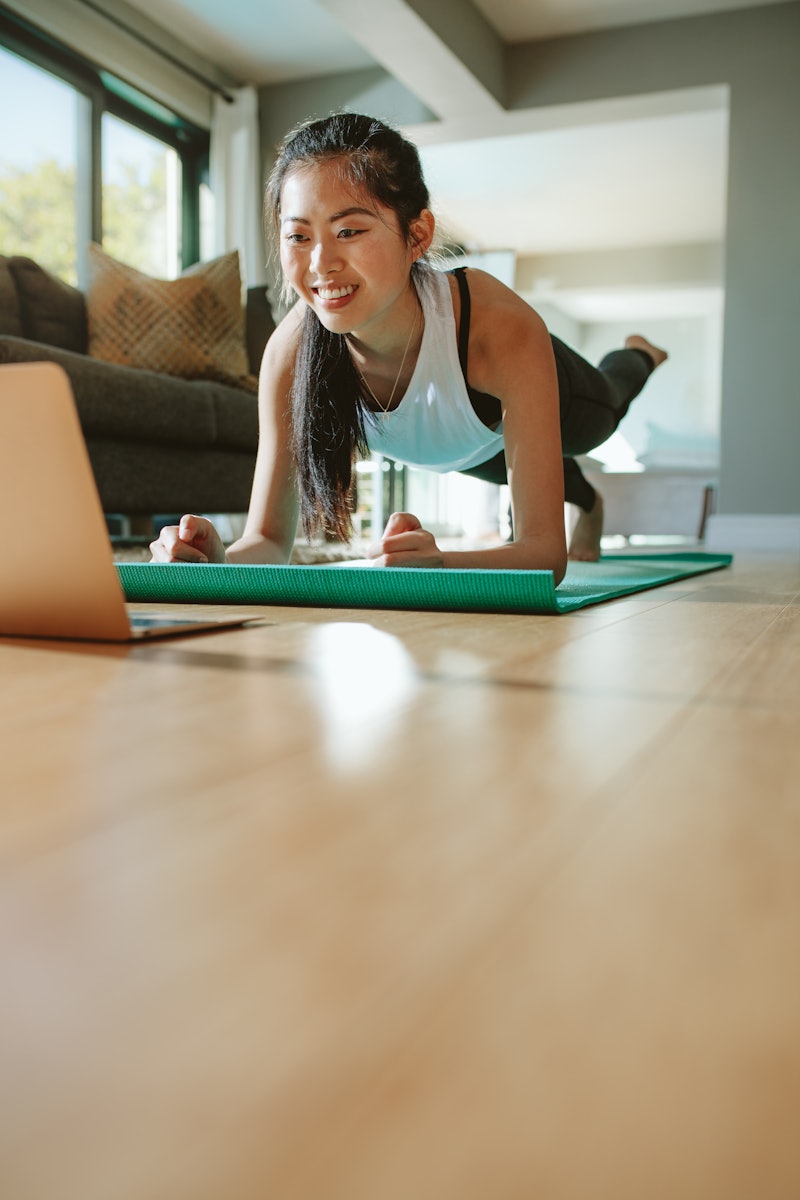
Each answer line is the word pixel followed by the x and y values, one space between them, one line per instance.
pixel 234 169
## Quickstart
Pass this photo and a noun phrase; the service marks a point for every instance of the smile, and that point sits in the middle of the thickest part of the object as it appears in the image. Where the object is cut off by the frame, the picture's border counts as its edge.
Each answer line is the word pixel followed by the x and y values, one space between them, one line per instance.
pixel 335 293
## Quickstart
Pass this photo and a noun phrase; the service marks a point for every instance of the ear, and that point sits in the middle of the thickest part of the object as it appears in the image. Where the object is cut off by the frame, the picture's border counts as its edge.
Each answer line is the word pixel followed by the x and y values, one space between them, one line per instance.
pixel 420 234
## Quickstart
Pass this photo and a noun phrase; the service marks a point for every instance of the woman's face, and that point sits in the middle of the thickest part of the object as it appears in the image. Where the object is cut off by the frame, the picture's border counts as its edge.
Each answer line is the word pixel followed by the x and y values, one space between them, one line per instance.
pixel 343 252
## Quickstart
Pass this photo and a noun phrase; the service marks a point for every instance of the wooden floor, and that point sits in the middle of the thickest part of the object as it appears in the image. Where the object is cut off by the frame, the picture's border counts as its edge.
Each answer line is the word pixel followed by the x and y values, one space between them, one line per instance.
pixel 408 906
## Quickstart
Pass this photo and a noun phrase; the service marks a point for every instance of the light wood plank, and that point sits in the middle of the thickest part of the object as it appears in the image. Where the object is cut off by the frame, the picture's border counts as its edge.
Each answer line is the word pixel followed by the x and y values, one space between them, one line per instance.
pixel 393 904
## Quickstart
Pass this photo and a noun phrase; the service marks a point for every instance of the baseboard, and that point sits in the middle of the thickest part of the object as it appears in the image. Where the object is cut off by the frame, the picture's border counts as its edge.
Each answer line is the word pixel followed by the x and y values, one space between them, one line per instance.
pixel 742 531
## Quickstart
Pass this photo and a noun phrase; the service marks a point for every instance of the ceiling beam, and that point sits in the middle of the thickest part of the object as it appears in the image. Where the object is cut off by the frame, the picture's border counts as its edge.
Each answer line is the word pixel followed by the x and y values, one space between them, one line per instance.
pixel 444 51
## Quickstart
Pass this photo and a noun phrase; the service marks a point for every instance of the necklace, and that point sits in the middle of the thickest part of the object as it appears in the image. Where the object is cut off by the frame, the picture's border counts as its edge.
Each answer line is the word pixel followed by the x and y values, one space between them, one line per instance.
pixel 385 409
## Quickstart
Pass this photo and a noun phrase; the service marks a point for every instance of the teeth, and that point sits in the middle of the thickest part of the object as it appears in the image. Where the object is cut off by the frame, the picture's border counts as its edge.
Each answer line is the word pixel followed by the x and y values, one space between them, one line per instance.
pixel 335 293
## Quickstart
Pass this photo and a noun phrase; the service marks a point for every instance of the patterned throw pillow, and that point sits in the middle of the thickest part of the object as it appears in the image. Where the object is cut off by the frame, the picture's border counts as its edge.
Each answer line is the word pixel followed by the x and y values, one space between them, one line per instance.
pixel 192 327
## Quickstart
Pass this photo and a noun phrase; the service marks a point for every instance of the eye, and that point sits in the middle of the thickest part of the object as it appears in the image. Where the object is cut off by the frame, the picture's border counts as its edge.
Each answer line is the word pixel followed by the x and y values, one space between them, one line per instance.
pixel 349 233
pixel 295 238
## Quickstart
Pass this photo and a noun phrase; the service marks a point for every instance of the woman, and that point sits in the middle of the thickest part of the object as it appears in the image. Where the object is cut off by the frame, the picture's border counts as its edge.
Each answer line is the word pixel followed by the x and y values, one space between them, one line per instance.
pixel 381 352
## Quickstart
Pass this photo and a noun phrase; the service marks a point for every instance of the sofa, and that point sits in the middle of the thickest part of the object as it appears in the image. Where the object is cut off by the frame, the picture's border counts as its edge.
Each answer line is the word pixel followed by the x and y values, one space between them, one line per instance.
pixel 158 443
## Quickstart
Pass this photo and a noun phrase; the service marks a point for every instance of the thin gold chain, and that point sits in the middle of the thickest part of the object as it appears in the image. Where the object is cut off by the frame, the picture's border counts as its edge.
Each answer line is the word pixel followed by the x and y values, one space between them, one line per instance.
pixel 386 408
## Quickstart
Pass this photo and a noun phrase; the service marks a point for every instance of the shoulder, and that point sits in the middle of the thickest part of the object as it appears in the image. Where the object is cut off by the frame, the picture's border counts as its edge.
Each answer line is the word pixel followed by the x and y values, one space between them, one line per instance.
pixel 494 301
pixel 503 328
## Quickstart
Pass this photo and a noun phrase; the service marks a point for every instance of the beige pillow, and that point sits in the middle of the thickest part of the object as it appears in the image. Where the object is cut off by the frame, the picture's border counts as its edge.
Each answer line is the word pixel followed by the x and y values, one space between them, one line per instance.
pixel 192 326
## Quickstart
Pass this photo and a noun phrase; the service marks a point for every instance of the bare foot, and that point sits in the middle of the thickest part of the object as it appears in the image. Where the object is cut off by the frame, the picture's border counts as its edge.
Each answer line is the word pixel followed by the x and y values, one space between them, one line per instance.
pixel 584 545
pixel 637 342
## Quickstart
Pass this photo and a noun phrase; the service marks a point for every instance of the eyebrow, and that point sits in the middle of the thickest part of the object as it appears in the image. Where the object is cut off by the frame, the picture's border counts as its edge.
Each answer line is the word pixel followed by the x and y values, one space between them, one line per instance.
pixel 337 216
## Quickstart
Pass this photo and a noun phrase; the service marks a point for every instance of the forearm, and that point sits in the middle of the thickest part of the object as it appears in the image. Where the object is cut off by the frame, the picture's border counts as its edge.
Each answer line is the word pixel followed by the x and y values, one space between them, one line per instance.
pixel 253 548
pixel 534 554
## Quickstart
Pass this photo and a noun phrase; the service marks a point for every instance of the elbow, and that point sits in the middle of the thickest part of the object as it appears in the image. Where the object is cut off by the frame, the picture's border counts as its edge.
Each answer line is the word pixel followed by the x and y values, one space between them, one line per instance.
pixel 536 555
pixel 558 562
pixel 555 555
pixel 559 557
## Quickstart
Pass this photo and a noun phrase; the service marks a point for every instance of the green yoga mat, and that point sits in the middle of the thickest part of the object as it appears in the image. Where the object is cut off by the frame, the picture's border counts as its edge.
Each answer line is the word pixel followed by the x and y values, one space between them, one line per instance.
pixel 411 587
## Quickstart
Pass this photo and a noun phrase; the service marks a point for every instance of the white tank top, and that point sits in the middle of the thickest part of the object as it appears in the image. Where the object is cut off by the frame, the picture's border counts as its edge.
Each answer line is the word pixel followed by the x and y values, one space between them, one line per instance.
pixel 435 425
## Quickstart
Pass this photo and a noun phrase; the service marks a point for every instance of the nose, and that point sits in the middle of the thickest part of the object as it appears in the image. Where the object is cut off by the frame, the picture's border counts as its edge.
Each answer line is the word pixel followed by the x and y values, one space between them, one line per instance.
pixel 325 256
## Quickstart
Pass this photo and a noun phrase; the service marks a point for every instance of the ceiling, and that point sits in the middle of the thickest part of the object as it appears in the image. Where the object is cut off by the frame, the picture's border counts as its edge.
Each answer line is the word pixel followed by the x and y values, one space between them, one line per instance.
pixel 609 182
pixel 272 41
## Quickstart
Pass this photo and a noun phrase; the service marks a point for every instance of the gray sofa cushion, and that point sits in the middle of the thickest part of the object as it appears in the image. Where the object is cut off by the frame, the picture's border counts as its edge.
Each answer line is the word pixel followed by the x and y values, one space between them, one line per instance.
pixel 130 404
pixel 50 310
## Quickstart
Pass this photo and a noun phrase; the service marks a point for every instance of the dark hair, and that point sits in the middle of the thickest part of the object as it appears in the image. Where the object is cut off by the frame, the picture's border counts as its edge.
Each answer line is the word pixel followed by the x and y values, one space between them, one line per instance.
pixel 329 413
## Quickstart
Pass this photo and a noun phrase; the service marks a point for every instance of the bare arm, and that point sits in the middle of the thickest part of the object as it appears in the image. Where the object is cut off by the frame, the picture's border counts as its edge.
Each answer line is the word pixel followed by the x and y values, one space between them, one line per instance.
pixel 272 518
pixel 511 357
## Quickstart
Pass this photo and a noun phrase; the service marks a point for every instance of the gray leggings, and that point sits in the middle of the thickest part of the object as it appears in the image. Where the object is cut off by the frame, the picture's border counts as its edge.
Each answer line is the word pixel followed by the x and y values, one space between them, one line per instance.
pixel 593 401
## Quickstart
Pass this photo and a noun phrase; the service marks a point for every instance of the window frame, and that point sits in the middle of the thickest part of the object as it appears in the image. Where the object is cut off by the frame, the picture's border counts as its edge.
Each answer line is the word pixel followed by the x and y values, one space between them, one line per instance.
pixel 190 142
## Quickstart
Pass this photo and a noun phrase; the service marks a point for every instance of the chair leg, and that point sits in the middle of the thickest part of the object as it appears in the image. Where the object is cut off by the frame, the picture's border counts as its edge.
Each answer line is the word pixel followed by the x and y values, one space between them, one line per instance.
pixel 708 507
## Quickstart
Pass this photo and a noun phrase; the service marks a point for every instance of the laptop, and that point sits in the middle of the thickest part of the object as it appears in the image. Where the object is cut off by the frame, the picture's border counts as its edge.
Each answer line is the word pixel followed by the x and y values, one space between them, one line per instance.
pixel 57 573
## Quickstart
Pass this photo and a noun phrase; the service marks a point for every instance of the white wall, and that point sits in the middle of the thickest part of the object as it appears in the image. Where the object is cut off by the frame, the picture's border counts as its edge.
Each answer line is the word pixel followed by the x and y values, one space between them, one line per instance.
pixel 754 52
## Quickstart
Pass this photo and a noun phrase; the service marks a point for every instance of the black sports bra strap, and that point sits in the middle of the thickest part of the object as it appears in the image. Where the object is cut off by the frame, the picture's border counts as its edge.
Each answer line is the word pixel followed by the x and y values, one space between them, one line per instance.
pixel 464 320
pixel 487 408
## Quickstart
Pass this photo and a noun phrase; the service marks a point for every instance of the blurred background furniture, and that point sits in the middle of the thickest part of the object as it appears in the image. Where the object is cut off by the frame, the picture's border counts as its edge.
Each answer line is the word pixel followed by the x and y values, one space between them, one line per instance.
pixel 668 502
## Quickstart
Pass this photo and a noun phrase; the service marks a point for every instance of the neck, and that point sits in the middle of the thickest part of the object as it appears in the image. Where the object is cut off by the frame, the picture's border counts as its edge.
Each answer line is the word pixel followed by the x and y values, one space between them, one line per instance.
pixel 386 372
pixel 382 344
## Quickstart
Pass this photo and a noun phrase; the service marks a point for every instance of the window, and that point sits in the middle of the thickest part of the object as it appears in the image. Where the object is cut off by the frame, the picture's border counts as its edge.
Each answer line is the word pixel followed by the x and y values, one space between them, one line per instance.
pixel 141 199
pixel 88 158
pixel 39 166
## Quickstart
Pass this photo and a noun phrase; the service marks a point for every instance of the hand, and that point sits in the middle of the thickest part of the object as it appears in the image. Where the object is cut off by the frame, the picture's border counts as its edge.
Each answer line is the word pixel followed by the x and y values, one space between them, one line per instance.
pixel 406 544
pixel 195 540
